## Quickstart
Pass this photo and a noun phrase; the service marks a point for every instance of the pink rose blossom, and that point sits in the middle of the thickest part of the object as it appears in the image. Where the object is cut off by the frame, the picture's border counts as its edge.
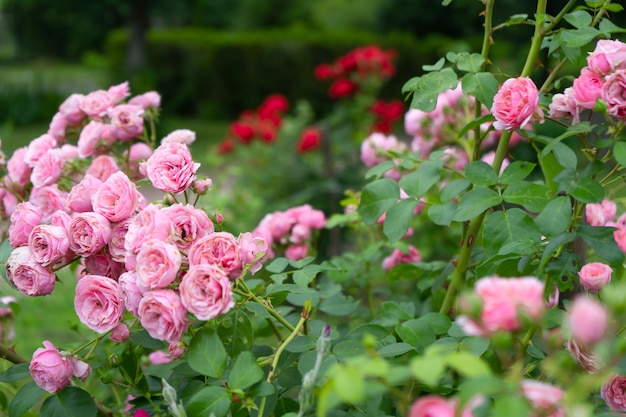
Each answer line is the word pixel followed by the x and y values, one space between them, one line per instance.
pixel 436 406
pixel 150 223
pixel 185 136
pixel 48 169
pixel 57 127
pixel 588 320
pixel 96 104
pixel 614 93
pixel 116 198
pixel 157 264
pixel 126 121
pixel 98 303
pixel 205 291
pixel 50 370
pixel 95 138
pixel 400 257
pixel 130 292
pixel 102 167
pixel 163 315
pixel 564 106
pixel 515 104
pixel 49 199
pixel 613 392
pixel 583 356
pixel 23 220
pixel 158 357
pixel 546 399
pixel 219 248
pixel 587 88
pixel 599 214
pixel 102 263
pixel 190 224
pixel 48 244
pixel 139 152
pixel 296 252
pixel 594 276
pixel 118 238
pixel 37 147
pixel 80 369
pixel 68 152
pixel 119 92
pixel 150 99
pixel 200 187
pixel 120 333
pixel 375 147
pixel 619 235
pixel 88 233
pixel 607 56
pixel 70 109
pixel 79 197
pixel 252 251
pixel 171 168
pixel 27 275
pixel 18 171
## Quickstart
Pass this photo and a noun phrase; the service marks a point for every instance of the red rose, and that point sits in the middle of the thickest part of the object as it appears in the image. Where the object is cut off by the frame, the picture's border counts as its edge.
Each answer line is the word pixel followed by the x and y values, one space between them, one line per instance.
pixel 311 138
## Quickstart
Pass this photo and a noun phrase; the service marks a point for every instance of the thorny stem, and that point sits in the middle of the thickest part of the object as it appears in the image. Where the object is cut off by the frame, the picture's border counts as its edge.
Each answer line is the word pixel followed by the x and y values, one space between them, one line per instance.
pixel 250 295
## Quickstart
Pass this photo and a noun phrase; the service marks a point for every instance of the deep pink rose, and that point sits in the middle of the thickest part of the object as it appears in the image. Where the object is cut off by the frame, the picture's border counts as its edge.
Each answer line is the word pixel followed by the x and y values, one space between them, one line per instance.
pixel 163 315
pixel 587 319
pixel 400 257
pixel 157 264
pixel 296 252
pixel 102 167
pixel 613 392
pixel 587 88
pixel 614 93
pixel 120 333
pixel 219 248
pixel 98 303
pixel 515 104
pixel 131 293
pixel 18 171
pixel 171 168
pixel 49 199
pixel 88 233
pixel 48 244
pixel 27 275
pixel 190 224
pixel 185 136
pixel 70 109
pixel 96 104
pixel 594 276
pixel 50 370
pixel 205 291
pixel 546 399
pixel 47 169
pixel 79 197
pixel 116 198
pixel 23 220
pixel 126 121
pixel 252 251
pixel 150 99
pixel 37 147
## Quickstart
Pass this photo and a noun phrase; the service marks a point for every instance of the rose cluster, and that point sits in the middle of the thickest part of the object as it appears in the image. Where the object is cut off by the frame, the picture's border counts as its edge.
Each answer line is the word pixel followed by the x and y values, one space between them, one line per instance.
pixel 386 113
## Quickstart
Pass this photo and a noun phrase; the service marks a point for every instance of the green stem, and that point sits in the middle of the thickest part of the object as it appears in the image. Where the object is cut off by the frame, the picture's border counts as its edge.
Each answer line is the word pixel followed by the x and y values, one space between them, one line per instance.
pixel 535 46
pixel 248 294
pixel 11 356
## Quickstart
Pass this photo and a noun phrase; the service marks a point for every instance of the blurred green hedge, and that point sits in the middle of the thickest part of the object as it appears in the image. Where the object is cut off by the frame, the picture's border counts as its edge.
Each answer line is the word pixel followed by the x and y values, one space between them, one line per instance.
pixel 206 73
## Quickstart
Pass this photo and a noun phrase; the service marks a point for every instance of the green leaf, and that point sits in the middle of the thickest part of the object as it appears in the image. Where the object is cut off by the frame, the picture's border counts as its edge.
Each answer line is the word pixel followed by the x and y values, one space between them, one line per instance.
pixel 601 239
pixel 578 38
pixel 516 171
pixel 480 173
pixel 426 89
pixel 418 182
pixel 402 310
pixel 304 276
pixel 437 322
pixel 607 27
pixel 237 332
pixel 453 189
pixel 586 191
pixel 428 369
pixel 210 401
pixel 467 62
pixel 475 202
pixel 417 333
pixel 398 219
pixel 245 371
pixel 28 395
pixel 619 150
pixel 15 373
pixel 442 214
pixel 565 156
pixel 475 345
pixel 349 384
pixel 5 252
pixel 503 227
pixel 473 124
pixel 376 198
pixel 380 169
pixel 533 197
pixel 70 402
pixel 436 67
pixel 339 305
pixel 555 217
pixel 277 265
pixel 482 85
pixel 578 19
pixel 206 354
pixel 468 364
pixel 510 407
pixel 394 349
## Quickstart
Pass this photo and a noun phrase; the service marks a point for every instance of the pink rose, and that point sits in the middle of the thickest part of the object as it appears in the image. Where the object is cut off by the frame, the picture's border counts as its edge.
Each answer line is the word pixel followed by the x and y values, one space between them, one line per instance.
pixel 588 320
pixel 375 147
pixel 413 120
pixel 613 392
pixel 116 198
pixel 583 356
pixel 157 264
pixel 49 199
pixel 163 315
pixel 70 109
pixel 118 92
pixel 68 152
pixel 119 333
pixel 200 187
pixel 171 168
pixel 88 233
pixel 118 238
pixel 515 104
pixel 619 235
pixel 587 88
pixel 96 104
pixel 150 223
pixel 614 93
pixel 599 214
pixel 607 56
pixel 158 357
pixel 400 257
pixel 205 291
pixel 102 167
pixel 94 139
pixel 594 276
pixel 308 216
pixel 252 251
pixel 185 136
pixel 296 252
pixel 18 171
pixel 37 147
pixel 50 370
pixel 48 169
pixel 130 292
pixel 80 369
pixel 57 127
pixel 23 220
pixel 190 224
pixel 98 303
pixel 102 263
pixel 27 275
pixel 564 106
pixel 48 244
pixel 150 99
pixel 126 121
pixel 138 153
pixel 79 197
pixel 546 399
pixel 436 406
pixel 219 248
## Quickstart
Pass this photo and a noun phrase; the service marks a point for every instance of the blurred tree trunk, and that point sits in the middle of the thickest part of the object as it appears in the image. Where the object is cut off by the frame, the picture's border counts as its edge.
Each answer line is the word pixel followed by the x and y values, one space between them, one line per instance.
pixel 138 27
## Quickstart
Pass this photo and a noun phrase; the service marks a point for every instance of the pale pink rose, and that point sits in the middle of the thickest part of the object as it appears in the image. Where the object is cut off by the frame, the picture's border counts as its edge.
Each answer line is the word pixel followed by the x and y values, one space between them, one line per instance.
pixel 9 204
pixel 27 275
pixel 587 88
pixel 614 93
pixel 96 104
pixel 68 152
pixel 130 292
pixel 149 223
pixel 88 233
pixel 588 320
pixel 23 220
pixel 94 139
pixel 619 235
pixel 375 147
pixel 120 333
pixel 80 369
pixel 607 56
pixel 48 244
pixel 158 357
pixel 436 406
pixel 126 121
pixel 118 238
pixel 139 152
pixel 594 276
pixel 150 99
pixel 176 350
pixel 163 315
pixel 218 248
pixel 599 214
pixel 60 218
pixel 98 303
pixel 18 171
pixel 37 147
pixel 116 197
pixel 546 399
pixel 424 145
pixel 49 199
pixel 70 109
pixel 185 136
pixel 171 168
pixel 252 251
pixel 102 167
pixel 400 257
pixel 296 252
pixel 79 197
pixel 119 92
pixel 583 356
pixel 102 263
pixel 157 264
pixel 515 104
pixel 455 157
pixel 200 187
pixel 205 291
pixel 613 392
pixel 413 120
pixel 504 302
pixel 190 224
pixel 308 216
pixel 48 169
pixel 57 127
pixel 50 370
